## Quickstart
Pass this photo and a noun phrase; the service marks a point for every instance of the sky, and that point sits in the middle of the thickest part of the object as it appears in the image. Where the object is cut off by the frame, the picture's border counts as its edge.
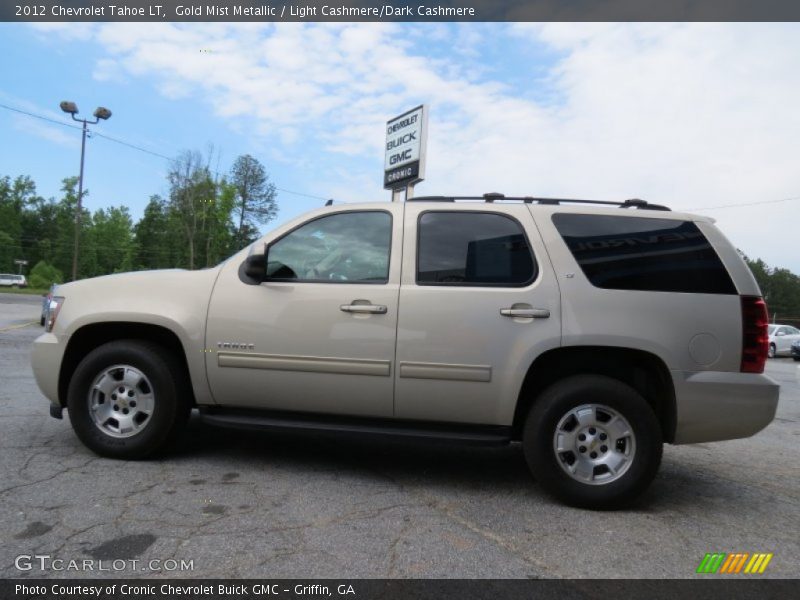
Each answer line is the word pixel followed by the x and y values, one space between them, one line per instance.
pixel 698 116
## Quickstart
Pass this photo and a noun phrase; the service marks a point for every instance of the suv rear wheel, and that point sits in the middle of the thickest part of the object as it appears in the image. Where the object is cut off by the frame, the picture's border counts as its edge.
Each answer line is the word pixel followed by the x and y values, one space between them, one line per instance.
pixel 128 399
pixel 593 442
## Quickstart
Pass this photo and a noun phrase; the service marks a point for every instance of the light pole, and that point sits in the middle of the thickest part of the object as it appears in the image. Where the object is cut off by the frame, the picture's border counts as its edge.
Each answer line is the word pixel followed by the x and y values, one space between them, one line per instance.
pixel 99 113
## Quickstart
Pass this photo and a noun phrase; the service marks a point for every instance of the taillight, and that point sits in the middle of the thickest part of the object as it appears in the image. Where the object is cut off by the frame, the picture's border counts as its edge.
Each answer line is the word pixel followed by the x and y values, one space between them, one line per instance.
pixel 755 339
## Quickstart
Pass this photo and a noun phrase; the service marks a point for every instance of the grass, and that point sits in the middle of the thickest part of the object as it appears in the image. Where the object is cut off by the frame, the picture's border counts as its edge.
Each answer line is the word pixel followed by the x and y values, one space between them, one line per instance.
pixel 29 291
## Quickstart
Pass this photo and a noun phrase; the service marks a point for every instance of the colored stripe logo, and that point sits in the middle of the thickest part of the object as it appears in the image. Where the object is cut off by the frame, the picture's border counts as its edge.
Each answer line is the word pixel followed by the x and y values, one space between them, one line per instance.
pixel 734 563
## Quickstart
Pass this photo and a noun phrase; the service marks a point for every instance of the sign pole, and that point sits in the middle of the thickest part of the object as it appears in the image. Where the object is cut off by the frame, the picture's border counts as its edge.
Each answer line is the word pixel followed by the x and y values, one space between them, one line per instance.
pixel 21 263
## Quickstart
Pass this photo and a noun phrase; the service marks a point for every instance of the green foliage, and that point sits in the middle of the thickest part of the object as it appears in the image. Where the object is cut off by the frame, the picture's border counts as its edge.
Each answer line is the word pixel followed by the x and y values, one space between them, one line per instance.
pixel 202 222
pixel 780 287
pixel 155 238
pixel 9 250
pixel 199 211
pixel 111 239
pixel 254 198
pixel 14 197
pixel 43 275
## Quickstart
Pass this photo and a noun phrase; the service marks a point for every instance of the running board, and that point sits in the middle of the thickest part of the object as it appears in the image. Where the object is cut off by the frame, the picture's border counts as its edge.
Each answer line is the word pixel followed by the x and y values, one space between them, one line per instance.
pixel 491 435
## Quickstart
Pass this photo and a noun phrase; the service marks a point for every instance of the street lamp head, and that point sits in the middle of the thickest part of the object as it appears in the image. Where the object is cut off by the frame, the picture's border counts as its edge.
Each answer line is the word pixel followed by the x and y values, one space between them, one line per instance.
pixel 102 113
pixel 69 107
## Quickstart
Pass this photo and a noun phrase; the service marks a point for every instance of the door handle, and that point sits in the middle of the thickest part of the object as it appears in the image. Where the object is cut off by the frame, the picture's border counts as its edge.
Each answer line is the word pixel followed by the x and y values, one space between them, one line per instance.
pixel 530 313
pixel 372 309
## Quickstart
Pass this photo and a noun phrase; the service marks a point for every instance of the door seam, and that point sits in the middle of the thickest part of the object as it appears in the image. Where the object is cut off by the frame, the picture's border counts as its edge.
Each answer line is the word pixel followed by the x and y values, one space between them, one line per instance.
pixel 397 317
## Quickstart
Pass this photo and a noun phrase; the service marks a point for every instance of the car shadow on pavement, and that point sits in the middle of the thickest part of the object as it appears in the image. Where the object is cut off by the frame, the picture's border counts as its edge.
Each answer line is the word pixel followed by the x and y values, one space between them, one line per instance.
pixel 441 462
pixel 456 467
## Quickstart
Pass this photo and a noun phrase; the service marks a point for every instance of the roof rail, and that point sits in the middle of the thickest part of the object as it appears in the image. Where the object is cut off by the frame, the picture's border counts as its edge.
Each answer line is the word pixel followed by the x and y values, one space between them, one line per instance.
pixel 494 196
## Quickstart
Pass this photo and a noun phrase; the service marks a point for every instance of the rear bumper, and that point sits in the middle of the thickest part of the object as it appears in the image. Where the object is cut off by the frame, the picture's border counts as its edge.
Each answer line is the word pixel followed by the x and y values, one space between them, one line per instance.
pixel 46 362
pixel 714 406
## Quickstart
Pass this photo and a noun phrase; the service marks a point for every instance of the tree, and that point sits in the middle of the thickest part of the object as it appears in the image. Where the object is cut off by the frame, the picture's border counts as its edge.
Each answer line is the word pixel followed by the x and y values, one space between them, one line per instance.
pixel 154 238
pixel 219 231
pixel 14 197
pixel 112 238
pixel 9 250
pixel 64 244
pixel 255 197
pixel 203 221
pixel 10 209
pixel 43 275
pixel 201 207
pixel 189 182
pixel 39 229
pixel 780 287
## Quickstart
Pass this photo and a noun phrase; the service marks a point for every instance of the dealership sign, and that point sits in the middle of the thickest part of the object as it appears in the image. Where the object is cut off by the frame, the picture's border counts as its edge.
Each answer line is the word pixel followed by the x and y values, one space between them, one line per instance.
pixel 404 161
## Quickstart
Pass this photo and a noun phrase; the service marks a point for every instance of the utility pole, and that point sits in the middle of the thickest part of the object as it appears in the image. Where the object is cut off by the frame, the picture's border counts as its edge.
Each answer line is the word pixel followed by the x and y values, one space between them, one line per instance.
pixel 99 113
pixel 79 210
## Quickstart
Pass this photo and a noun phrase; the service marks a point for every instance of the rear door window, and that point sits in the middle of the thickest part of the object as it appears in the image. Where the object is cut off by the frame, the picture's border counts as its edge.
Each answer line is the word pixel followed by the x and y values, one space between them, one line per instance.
pixel 638 253
pixel 473 249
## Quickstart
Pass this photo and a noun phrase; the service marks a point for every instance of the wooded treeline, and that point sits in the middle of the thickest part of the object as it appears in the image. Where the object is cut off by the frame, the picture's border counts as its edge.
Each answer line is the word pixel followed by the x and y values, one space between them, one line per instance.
pixel 205 218
pixel 781 289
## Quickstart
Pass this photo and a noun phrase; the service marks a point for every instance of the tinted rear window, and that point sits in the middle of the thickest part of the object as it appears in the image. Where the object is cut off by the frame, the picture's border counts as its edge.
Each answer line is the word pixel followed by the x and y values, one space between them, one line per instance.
pixel 633 253
pixel 472 248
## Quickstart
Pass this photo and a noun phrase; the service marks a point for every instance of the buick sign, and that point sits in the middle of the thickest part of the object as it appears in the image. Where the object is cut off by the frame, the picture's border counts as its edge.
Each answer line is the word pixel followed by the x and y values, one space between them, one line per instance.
pixel 404 159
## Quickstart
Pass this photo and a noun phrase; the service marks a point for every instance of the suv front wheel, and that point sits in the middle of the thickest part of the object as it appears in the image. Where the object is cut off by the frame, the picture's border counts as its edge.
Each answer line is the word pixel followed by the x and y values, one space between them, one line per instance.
pixel 128 399
pixel 593 442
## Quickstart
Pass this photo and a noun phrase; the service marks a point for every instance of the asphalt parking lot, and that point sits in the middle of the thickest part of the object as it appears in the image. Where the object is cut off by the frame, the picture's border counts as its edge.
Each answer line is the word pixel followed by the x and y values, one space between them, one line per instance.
pixel 265 505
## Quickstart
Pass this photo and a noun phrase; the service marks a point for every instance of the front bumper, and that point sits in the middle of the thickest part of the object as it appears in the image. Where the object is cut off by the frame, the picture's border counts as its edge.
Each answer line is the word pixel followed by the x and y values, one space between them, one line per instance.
pixel 46 362
pixel 714 405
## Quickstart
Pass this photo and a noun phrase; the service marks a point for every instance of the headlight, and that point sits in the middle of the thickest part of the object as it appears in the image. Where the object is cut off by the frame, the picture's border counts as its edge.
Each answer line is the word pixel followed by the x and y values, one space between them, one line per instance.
pixel 52 312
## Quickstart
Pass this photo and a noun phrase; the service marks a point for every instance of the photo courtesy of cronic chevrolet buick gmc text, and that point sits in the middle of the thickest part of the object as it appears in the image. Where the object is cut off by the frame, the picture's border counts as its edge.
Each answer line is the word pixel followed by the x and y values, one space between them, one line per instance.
pixel 591 332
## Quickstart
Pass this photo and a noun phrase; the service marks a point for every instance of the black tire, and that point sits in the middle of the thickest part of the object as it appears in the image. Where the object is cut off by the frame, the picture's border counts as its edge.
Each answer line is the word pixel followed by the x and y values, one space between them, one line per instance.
pixel 554 404
pixel 170 391
pixel 41 321
pixel 797 358
pixel 772 351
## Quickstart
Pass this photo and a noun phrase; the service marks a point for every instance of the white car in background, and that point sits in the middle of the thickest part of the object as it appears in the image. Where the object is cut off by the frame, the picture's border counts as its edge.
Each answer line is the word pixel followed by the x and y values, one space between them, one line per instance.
pixel 11 280
pixel 781 338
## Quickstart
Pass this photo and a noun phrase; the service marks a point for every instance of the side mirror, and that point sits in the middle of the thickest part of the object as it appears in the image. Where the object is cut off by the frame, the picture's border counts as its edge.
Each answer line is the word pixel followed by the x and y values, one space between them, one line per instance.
pixel 254 268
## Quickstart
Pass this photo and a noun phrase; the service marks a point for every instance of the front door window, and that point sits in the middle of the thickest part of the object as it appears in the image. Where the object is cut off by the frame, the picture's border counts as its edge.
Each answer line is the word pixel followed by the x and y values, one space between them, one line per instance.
pixel 344 247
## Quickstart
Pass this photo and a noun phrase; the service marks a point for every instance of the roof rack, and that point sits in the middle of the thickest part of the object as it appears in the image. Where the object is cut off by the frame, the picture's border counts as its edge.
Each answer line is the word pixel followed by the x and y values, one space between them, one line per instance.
pixel 494 196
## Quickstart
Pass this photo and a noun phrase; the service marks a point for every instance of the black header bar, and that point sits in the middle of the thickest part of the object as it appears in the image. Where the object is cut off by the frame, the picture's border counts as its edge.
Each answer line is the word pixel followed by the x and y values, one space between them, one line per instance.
pixel 399 10
pixel 711 588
